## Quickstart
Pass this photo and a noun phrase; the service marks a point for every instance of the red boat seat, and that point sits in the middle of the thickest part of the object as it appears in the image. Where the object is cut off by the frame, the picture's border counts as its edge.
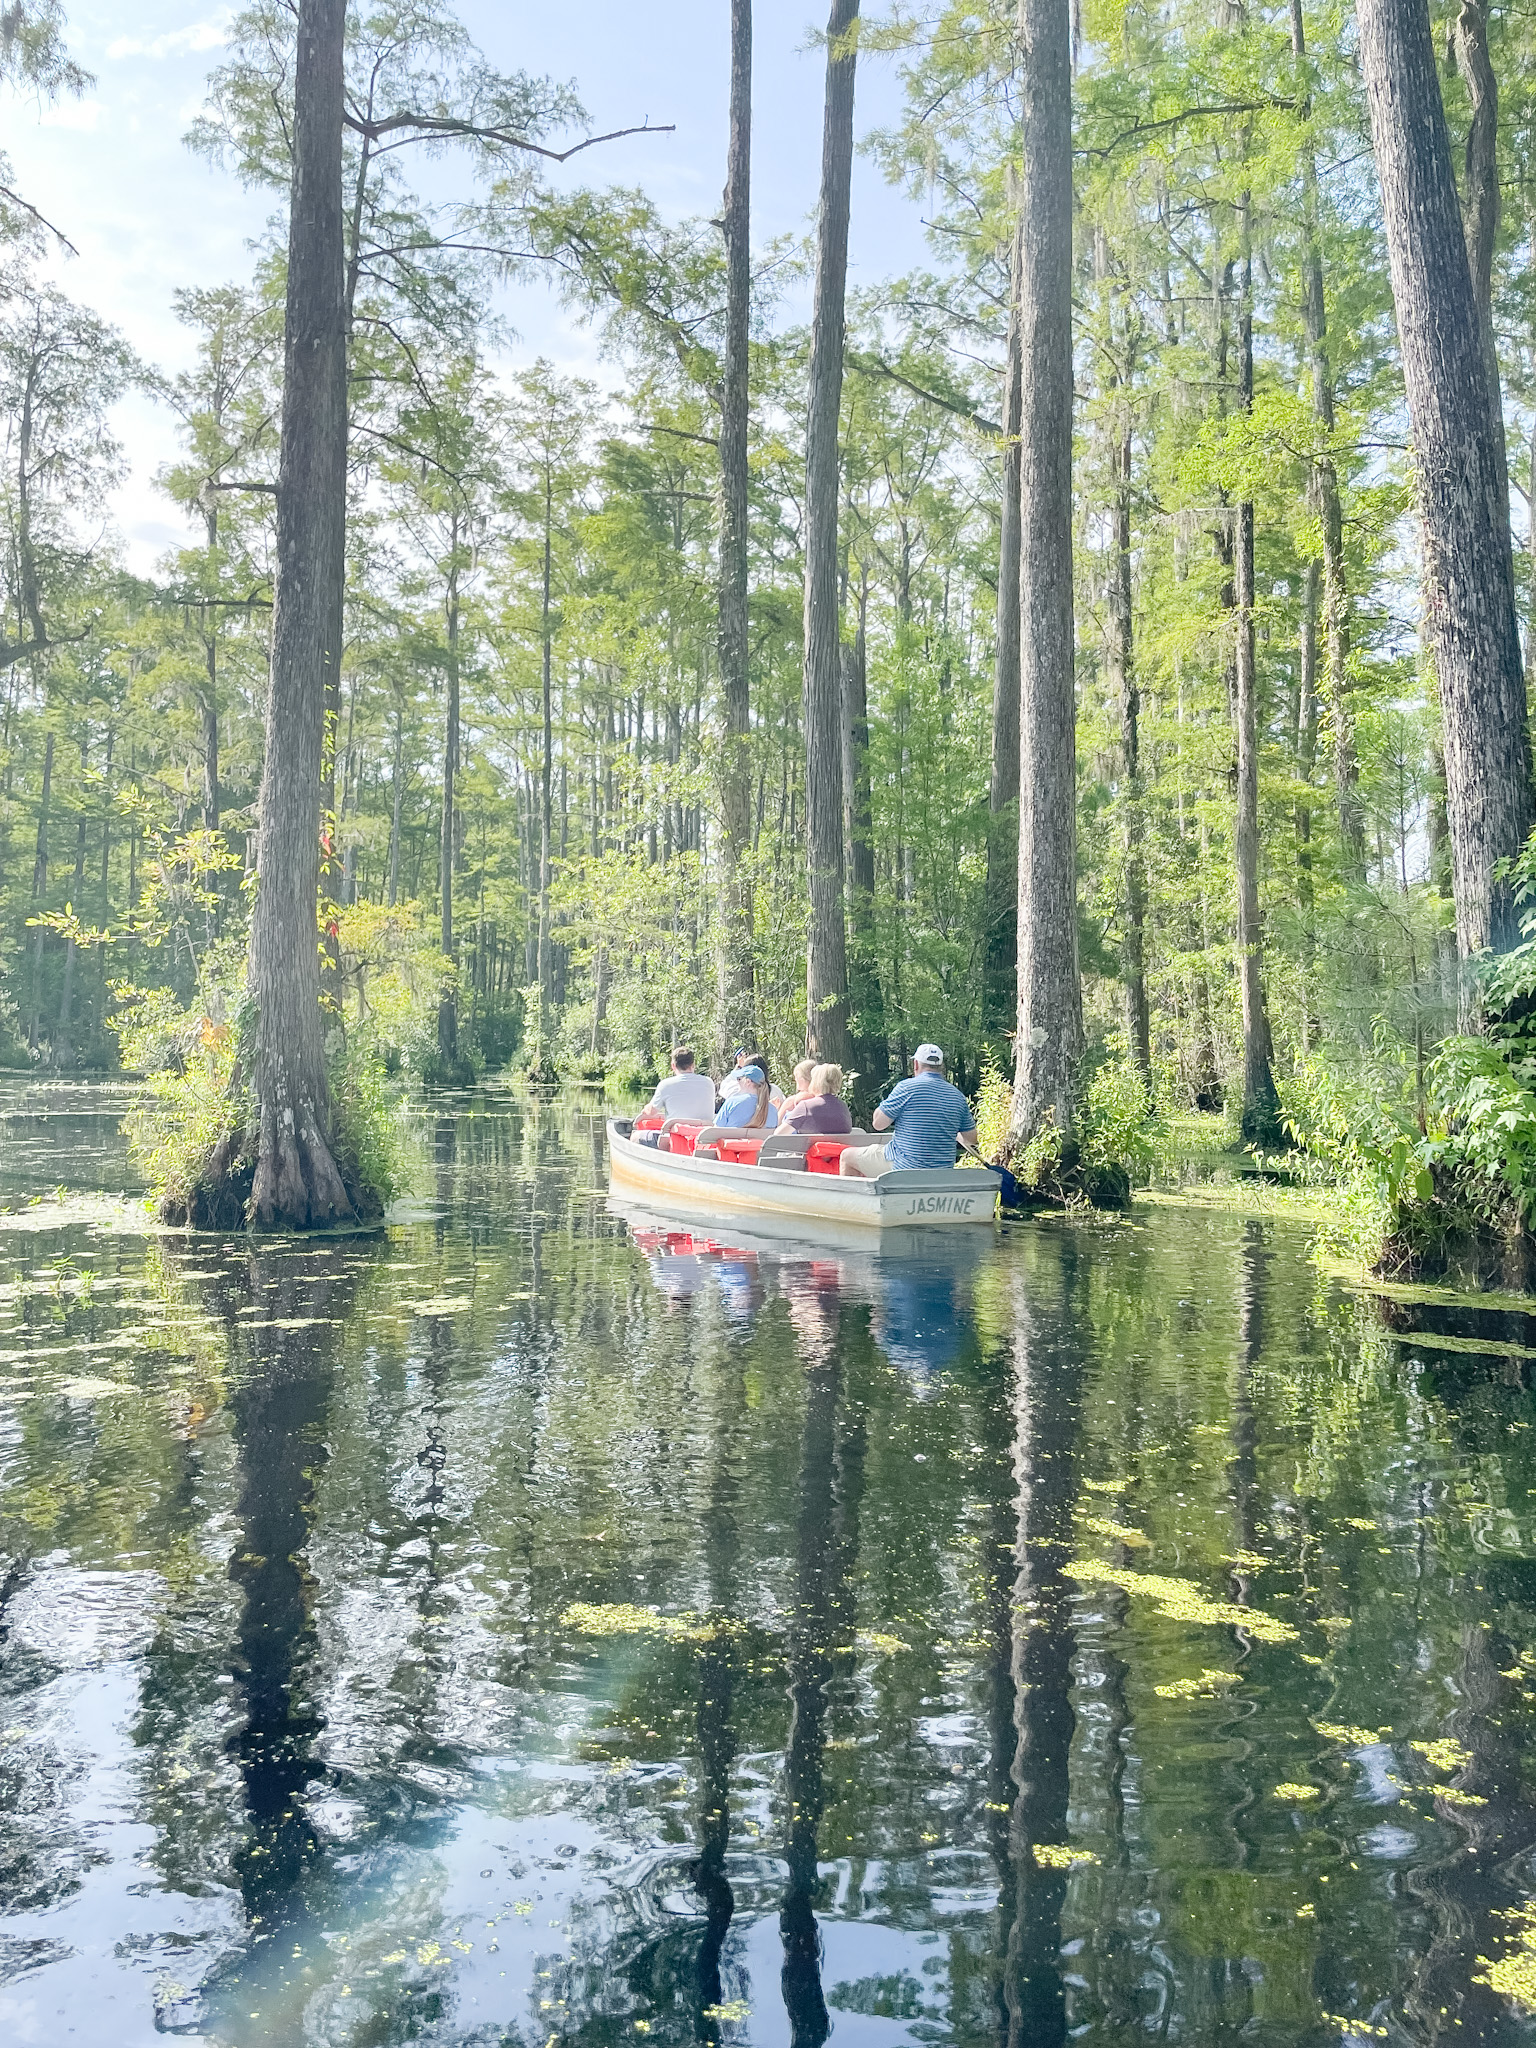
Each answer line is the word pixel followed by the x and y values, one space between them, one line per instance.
pixel 649 1123
pixel 739 1150
pixel 678 1137
pixel 823 1155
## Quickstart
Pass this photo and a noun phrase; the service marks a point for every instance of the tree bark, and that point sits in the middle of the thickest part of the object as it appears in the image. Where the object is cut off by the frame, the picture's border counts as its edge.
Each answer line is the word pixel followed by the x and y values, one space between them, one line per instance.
pixel 1003 795
pixel 1127 695
pixel 1457 450
pixel 1323 487
pixel 867 996
pixel 40 890
pixel 1261 1101
pixel 736 1019
pixel 448 1003
pixel 1050 1010
pixel 546 775
pixel 827 939
pixel 1480 199
pixel 296 1183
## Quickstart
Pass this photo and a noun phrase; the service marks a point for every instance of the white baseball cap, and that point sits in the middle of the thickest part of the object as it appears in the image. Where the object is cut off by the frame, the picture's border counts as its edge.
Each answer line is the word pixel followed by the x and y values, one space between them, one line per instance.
pixel 928 1056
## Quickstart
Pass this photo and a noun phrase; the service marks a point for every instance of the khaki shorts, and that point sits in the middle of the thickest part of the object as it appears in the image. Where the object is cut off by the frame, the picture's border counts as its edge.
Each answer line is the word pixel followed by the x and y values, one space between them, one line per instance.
pixel 870 1160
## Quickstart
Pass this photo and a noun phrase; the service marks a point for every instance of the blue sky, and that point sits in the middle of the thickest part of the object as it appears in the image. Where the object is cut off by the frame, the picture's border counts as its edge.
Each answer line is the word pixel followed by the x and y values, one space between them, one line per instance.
pixel 147 216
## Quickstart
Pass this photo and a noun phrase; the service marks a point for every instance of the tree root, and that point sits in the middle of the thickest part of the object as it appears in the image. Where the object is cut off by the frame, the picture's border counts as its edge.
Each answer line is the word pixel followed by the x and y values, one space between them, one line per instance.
pixel 276 1174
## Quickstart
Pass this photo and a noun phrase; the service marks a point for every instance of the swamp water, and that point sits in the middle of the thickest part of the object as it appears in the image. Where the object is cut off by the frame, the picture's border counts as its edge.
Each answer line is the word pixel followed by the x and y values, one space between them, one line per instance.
pixel 532 1624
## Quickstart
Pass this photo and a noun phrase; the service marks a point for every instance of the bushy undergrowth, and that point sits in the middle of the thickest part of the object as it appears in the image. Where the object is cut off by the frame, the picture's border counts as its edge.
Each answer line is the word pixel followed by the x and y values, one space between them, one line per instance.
pixel 1439 1165
pixel 193 1059
pixel 1116 1137
pixel 1432 1179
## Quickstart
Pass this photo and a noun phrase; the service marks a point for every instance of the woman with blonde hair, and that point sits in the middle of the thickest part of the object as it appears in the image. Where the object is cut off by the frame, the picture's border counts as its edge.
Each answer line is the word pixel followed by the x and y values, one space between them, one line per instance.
pixel 803 1089
pixel 823 1111
pixel 751 1108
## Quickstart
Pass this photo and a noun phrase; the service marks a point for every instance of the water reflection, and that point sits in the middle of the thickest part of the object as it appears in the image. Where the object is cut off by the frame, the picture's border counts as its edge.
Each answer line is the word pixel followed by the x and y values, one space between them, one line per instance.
pixel 544 1625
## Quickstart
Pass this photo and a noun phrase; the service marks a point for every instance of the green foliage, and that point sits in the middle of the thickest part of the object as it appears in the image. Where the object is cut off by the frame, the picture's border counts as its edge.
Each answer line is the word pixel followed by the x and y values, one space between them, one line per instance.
pixel 186 1106
pixel 1118 1130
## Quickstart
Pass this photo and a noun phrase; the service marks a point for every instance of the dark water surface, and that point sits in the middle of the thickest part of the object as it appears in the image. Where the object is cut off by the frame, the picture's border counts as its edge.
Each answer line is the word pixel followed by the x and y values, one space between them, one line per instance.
pixel 525 1624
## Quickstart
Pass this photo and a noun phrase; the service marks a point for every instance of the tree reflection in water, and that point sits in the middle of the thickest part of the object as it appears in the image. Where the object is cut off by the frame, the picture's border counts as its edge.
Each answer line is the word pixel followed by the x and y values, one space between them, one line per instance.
pixel 821 1630
pixel 279 1406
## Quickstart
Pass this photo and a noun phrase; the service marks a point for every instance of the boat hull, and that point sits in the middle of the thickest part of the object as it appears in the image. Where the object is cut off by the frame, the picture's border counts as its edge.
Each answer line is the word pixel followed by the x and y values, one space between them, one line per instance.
pixel 714 1187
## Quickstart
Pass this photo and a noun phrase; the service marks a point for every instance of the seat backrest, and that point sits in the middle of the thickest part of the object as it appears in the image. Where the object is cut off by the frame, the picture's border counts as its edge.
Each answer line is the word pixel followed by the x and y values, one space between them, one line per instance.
pixel 785 1149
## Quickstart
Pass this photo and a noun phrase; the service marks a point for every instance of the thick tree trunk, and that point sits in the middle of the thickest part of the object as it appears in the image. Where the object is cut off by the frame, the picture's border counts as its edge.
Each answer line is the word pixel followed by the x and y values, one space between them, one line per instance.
pixel 864 965
pixel 546 778
pixel 1458 460
pixel 396 794
pixel 735 1017
pixel 1480 198
pixel 827 942
pixel 1050 1012
pixel 1002 913
pixel 39 891
pixel 1121 652
pixel 1261 1101
pixel 1324 491
pixel 296 1183
pixel 448 1002
pixel 1122 665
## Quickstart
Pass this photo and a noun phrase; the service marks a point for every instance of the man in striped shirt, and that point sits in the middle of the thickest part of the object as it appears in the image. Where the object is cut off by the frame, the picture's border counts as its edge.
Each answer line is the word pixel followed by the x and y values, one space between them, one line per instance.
pixel 927 1116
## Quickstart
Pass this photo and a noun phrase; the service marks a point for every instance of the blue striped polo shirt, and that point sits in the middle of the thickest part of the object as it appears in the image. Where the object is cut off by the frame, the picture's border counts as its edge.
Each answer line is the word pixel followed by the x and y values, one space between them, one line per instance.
pixel 929 1114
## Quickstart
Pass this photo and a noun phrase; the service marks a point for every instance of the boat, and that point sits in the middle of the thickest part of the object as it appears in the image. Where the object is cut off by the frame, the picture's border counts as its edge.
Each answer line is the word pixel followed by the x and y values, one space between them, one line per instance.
pixel 791 1176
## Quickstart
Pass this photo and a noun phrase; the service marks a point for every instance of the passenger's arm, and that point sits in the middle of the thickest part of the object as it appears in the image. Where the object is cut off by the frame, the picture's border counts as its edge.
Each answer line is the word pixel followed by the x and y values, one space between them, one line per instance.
pixel 881 1122
pixel 971 1142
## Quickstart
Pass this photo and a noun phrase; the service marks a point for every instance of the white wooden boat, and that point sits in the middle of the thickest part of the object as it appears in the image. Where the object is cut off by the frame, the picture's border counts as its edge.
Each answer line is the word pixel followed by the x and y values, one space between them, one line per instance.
pixel 780 1186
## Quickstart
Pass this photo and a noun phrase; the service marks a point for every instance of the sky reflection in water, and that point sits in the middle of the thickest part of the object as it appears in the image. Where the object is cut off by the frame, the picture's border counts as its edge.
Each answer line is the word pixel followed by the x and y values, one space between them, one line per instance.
pixel 541 1624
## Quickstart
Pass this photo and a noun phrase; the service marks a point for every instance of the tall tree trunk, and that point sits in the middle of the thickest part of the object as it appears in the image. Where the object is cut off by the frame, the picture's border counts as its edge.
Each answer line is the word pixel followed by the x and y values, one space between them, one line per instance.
pixel 1261 1101
pixel 39 891
pixel 208 704
pixel 296 1183
pixel 1122 662
pixel 1002 913
pixel 1457 452
pixel 396 782
pixel 546 776
pixel 63 1044
pixel 1050 1014
pixel 735 1015
pixel 1122 679
pixel 827 943
pixel 864 965
pixel 1306 764
pixel 448 1002
pixel 1323 488
pixel 1480 198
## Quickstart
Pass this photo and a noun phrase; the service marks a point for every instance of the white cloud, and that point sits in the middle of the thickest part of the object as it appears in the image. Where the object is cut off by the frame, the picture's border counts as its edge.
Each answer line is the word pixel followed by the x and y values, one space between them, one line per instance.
pixel 71 114
pixel 202 35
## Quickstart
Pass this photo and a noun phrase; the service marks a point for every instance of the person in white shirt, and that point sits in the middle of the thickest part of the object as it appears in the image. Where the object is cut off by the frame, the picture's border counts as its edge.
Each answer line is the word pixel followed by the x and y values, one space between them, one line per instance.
pixel 733 1082
pixel 685 1093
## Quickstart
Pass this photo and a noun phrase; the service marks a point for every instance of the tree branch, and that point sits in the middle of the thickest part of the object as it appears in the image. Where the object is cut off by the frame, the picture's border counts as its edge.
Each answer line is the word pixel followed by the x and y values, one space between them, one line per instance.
pixel 41 218
pixel 502 138
pixel 876 366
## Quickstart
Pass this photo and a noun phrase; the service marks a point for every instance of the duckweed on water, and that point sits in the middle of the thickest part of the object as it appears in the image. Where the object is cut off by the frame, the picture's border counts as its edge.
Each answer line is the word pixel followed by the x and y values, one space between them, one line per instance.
pixel 1182 1600
pixel 622 1618
pixel 1205 1687
pixel 1057 1856
pixel 1351 1737
pixel 1445 1755
pixel 1131 1538
pixel 1514 1975
pixel 1294 1794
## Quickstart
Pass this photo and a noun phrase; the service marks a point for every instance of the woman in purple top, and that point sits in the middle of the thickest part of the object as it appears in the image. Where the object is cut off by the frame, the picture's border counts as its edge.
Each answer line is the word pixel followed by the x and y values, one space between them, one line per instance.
pixel 823 1112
